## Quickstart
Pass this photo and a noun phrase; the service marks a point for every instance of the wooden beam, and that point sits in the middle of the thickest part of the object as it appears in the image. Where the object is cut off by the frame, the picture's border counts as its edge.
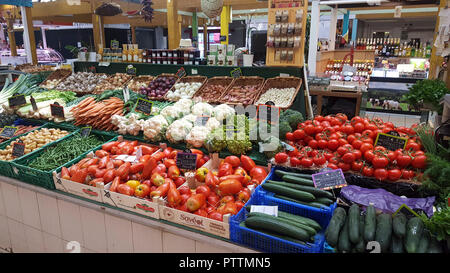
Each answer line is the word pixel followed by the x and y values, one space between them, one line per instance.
pixel 29 23
pixel 391 15
pixel 133 35
pixel 435 61
pixel 173 27
pixel 11 37
pixel 55 20
pixel 205 39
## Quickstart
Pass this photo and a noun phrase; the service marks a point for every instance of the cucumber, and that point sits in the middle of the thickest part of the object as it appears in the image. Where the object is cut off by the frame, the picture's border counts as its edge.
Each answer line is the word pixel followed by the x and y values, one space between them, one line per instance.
pixel 383 231
pixel 335 226
pixel 311 204
pixel 399 225
pixel 424 242
pixel 353 223
pixel 281 173
pixel 289 192
pixel 414 230
pixel 300 219
pixel 435 246
pixel 360 246
pixel 325 201
pixel 298 180
pixel 307 228
pixel 370 224
pixel 396 244
pixel 287 238
pixel 277 227
pixel 344 240
pixel 316 192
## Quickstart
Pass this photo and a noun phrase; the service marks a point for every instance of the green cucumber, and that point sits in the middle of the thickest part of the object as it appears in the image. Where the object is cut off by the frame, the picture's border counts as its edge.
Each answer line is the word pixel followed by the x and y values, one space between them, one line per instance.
pixel 370 224
pixel 311 204
pixel 300 219
pixel 353 223
pixel 287 238
pixel 424 242
pixel 360 246
pixel 298 180
pixel 325 201
pixel 344 244
pixel 277 227
pixel 435 246
pixel 383 231
pixel 316 192
pixel 281 173
pixel 289 192
pixel 307 228
pixel 396 244
pixel 336 223
pixel 414 230
pixel 399 225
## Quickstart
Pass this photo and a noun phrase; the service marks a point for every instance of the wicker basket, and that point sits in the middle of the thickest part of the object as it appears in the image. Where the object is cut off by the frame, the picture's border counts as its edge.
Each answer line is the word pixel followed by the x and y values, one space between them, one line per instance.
pixel 281 82
pixel 60 75
pixel 224 81
pixel 160 76
pixel 140 79
pixel 244 81
pixel 97 89
pixel 189 79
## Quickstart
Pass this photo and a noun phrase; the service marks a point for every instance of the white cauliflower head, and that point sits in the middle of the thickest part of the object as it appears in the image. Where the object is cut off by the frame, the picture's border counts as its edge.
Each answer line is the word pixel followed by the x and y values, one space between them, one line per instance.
pixel 178 130
pixel 202 109
pixel 223 111
pixel 154 127
pixel 197 136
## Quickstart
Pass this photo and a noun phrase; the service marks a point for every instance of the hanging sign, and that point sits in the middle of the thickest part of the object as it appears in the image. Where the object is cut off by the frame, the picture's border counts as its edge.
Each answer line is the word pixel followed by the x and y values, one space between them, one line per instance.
pixel 181 73
pixel 131 70
pixel 86 131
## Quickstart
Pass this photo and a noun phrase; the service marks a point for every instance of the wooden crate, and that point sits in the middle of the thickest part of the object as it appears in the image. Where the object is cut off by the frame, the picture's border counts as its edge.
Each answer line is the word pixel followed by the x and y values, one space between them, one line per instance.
pixel 224 81
pixel 60 75
pixel 243 81
pixel 160 76
pixel 187 79
pixel 281 82
pixel 140 79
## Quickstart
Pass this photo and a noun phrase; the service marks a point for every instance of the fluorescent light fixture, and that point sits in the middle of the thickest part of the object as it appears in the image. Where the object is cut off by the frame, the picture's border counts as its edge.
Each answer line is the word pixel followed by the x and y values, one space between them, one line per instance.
pixel 342 2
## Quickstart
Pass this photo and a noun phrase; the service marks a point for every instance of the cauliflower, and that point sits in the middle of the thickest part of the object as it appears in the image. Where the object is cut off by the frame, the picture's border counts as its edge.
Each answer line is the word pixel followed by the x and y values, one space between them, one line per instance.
pixel 202 109
pixel 171 112
pixel 154 127
pixel 178 130
pixel 184 106
pixel 128 125
pixel 223 111
pixel 197 136
pixel 190 118
pixel 212 124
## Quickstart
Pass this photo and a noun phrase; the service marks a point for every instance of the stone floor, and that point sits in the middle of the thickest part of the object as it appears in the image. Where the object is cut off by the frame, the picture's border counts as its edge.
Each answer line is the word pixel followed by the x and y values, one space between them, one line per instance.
pixel 397 119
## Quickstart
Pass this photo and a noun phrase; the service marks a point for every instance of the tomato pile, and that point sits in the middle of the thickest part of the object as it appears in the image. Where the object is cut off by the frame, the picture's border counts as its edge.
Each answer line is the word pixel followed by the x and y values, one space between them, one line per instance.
pixel 336 142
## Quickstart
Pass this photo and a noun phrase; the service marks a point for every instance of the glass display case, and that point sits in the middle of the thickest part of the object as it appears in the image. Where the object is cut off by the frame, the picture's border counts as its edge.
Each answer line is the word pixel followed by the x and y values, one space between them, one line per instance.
pixel 44 56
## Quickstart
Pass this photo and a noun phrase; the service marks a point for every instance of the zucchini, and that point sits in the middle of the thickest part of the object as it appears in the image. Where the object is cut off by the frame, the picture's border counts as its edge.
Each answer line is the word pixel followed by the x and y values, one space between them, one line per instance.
pixel 281 173
pixel 353 223
pixel 311 204
pixel 424 242
pixel 414 230
pixel 399 225
pixel 383 231
pixel 435 246
pixel 360 246
pixel 282 228
pixel 298 180
pixel 370 224
pixel 396 244
pixel 335 226
pixel 289 192
pixel 300 219
pixel 344 240
pixel 308 229
pixel 287 238
pixel 325 201
pixel 316 192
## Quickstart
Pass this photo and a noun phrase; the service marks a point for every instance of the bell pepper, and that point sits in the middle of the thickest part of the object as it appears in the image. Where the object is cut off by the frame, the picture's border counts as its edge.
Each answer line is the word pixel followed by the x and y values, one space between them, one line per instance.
pixel 173 195
pixel 196 201
pixel 247 163
pixel 201 173
pixel 161 191
pixel 133 183
pixel 80 175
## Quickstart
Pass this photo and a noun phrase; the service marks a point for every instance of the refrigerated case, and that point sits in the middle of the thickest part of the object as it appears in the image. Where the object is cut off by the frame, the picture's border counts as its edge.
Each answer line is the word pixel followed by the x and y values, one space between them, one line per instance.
pixel 44 56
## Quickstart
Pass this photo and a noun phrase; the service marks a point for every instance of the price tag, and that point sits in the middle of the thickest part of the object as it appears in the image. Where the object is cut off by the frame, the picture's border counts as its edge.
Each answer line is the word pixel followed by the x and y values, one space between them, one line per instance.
pixel 194 71
pixel 201 120
pixel 131 70
pixel 18 149
pixel 126 94
pixel 57 110
pixel 17 100
pixel 271 210
pixel 139 153
pixel 104 63
pixel 181 73
pixel 86 131
pixel 284 75
pixel 8 131
pixel 114 44
pixel 33 103
pixel 407 211
pixel 236 73
pixel 144 106
pixel 329 180
pixel 390 142
pixel 127 158
pixel 187 161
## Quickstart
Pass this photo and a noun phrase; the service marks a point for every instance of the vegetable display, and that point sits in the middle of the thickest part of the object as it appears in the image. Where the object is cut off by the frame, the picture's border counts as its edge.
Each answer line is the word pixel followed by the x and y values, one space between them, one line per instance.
pixel 55 78
pixel 98 114
pixel 158 88
pixel 281 97
pixel 115 81
pixel 138 83
pixel 244 94
pixel 81 82
pixel 21 129
pixel 211 92
pixel 183 90
pixel 25 84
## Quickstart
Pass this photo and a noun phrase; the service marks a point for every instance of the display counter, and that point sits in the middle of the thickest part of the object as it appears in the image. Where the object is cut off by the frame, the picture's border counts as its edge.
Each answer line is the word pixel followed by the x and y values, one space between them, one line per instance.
pixel 323 57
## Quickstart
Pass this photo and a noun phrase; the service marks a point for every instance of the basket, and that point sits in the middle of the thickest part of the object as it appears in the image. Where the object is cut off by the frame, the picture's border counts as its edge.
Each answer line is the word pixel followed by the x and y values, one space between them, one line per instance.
pixel 160 76
pixel 97 90
pixel 243 81
pixel 45 178
pixel 187 79
pixel 140 79
pixel 224 81
pixel 79 92
pixel 281 82
pixel 267 243
pixel 6 166
pixel 60 75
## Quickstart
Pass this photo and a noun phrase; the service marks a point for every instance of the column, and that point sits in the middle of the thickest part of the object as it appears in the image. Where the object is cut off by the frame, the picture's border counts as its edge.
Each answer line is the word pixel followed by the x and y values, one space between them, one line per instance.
pixel 98 31
pixel 173 26
pixel 133 35
pixel 44 38
pixel 205 39
pixel 194 29
pixel 11 37
pixel 224 23
pixel 28 35
pixel 333 26
pixel 313 36
pixel 354 30
pixel 345 26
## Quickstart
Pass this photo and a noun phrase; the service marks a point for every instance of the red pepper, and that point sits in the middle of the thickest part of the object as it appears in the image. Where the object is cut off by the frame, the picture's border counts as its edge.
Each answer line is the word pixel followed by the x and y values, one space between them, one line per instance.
pixel 149 165
pixel 123 171
pixel 225 169
pixel 136 167
pixel 80 176
pixel 211 180
pixel 173 196
pixel 115 184
pixel 65 173
pixel 94 182
pixel 161 191
pixel 238 177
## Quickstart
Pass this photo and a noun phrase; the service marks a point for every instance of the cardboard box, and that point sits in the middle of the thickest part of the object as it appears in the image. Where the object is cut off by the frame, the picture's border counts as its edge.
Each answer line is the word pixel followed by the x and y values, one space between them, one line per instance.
pixel 231 60
pixel 213 49
pixel 221 49
pixel 83 190
pixel 212 59
pixel 221 60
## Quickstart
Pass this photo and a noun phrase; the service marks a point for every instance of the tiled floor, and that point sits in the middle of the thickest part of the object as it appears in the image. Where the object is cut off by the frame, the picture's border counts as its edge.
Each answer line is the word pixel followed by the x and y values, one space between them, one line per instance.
pixel 397 119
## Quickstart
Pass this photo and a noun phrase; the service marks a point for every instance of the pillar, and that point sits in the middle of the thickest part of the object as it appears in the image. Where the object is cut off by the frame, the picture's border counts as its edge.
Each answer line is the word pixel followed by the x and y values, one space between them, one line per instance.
pixel 133 35
pixel 345 26
pixel 173 26
pixel 99 32
pixel 205 39
pixel 28 35
pixel 194 29
pixel 44 38
pixel 313 36
pixel 436 61
pixel 333 26
pixel 224 23
pixel 11 37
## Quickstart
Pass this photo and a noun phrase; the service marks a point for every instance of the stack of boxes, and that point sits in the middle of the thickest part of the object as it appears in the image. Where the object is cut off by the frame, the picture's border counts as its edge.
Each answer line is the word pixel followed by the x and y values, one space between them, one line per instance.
pixel 222 55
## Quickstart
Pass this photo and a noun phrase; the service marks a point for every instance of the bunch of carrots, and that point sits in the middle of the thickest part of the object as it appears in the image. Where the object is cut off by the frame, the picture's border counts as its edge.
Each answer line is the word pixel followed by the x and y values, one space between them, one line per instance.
pixel 98 114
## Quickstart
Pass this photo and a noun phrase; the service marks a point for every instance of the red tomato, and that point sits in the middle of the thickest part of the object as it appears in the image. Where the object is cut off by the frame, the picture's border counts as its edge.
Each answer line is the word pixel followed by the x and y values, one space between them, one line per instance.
pixel 391 156
pixel 332 166
pixel 368 133
pixel 310 130
pixel 203 189
pixel 365 147
pixel 281 158
pixel 290 136
pixel 359 127
pixel 319 160
pixel 344 166
pixel 403 160
pixel 333 144
pixel 348 157
pixel 357 166
pixel 225 169
pixel 342 141
pixel 394 174
pixel 233 161
pixel 407 174
pixel 369 155
pixel 351 138
pixel 322 144
pixel 381 174
pixel 230 187
pixel 295 161
pixel 419 162
pixel 307 162
pixel 357 144
pixel 411 145
pixel 318 118
pixel 367 171
pixel 348 129
pixel 313 144
pixel 380 162
pixel 216 216
pixel 258 173
pixel 357 154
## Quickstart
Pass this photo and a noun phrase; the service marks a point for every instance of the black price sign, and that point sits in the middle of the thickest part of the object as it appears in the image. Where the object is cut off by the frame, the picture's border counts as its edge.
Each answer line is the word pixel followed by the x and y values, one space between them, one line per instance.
pixel 57 110
pixel 236 73
pixel 201 120
pixel 223 38
pixel 18 149
pixel 187 161
pixel 8 132
pixel 114 44
pixel 268 108
pixel 144 106
pixel 390 142
pixel 181 73
pixel 33 103
pixel 407 211
pixel 131 70
pixel 17 100
pixel 329 179
pixel 86 131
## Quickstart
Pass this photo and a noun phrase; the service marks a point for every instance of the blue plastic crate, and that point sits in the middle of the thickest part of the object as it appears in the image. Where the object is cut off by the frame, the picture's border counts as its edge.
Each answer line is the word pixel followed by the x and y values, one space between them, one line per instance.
pixel 267 243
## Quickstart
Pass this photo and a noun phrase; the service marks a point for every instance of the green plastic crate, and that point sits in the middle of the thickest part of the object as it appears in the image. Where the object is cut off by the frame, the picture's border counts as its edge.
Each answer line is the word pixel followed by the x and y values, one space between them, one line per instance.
pixel 45 178
pixel 6 166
